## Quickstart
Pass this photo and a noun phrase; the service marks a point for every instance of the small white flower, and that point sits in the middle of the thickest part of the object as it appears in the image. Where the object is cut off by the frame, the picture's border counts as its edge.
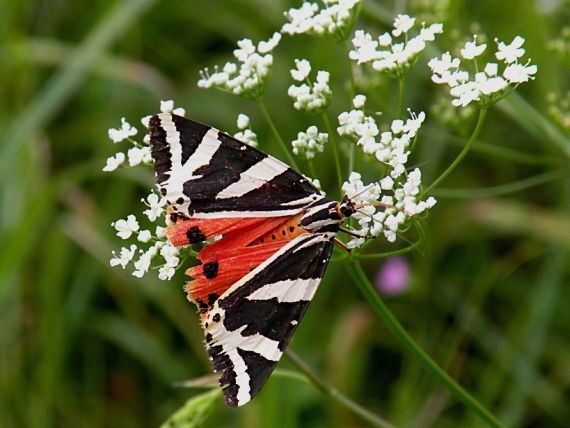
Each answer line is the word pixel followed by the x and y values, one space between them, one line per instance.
pixel 265 47
pixel 385 39
pixel 114 162
pixel 144 236
pixel 491 69
pixel 359 101
pixel 143 263
pixel 160 232
pixel 302 70
pixel 166 106
pixel 247 78
pixel 155 206
pixel 402 24
pixel 137 155
pixel 396 58
pixel 242 121
pixel 124 132
pixel 165 273
pixel 125 256
pixel 125 228
pixel 519 73
pixel 472 49
pixel 333 19
pixel 146 121
pixel 510 53
pixel 247 136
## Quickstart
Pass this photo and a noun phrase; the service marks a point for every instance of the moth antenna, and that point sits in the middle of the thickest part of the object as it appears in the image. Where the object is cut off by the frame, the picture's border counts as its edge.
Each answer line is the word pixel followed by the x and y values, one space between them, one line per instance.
pixel 362 191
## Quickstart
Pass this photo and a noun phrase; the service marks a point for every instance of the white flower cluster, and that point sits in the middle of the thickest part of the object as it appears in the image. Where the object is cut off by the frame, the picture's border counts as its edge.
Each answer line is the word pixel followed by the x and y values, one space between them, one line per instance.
pixel 388 55
pixel 488 86
pixel 392 146
pixel 247 77
pixel 308 96
pixel 140 152
pixel 245 133
pixel 386 206
pixel 126 228
pixel 310 142
pixel 332 18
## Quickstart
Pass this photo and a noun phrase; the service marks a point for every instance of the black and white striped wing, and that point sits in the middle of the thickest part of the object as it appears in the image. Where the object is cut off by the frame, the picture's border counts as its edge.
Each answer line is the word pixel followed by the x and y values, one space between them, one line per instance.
pixel 249 326
pixel 205 173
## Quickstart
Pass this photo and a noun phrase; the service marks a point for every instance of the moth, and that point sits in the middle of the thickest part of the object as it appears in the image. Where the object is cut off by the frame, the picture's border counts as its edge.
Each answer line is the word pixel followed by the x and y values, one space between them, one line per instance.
pixel 268 235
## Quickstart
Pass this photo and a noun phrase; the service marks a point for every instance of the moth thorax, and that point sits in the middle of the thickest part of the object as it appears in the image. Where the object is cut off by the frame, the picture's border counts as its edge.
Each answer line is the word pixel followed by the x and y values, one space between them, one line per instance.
pixel 326 215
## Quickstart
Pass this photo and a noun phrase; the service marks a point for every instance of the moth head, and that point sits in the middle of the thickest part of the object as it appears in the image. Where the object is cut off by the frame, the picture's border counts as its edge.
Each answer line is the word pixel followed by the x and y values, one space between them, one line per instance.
pixel 346 207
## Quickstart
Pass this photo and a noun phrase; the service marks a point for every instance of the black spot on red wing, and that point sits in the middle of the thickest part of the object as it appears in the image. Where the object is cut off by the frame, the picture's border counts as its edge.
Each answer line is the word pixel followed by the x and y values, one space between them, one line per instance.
pixel 211 270
pixel 202 306
pixel 194 235
pixel 212 298
pixel 283 232
pixel 273 237
pixel 291 229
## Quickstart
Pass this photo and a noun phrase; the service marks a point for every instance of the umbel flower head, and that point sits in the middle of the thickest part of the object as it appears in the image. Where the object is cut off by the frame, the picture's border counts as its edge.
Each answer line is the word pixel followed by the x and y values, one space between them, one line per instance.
pixel 310 142
pixel 247 77
pixel 309 96
pixel 388 54
pixel 334 18
pixel 486 87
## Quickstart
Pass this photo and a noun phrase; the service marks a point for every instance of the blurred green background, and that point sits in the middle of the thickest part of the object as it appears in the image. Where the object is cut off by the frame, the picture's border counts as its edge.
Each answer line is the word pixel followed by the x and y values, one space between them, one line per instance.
pixel 84 345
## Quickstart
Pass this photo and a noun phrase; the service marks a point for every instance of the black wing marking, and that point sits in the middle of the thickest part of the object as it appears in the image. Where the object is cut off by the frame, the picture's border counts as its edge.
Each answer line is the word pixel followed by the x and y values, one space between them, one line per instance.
pixel 250 325
pixel 205 173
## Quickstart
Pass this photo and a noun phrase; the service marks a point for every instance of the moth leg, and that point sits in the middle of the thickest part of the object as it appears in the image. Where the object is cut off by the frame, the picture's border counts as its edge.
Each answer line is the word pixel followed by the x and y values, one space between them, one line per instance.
pixel 352 233
pixel 342 245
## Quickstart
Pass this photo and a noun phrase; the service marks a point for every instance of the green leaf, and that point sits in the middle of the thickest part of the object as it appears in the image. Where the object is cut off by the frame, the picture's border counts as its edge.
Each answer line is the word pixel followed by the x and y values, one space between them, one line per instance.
pixel 195 412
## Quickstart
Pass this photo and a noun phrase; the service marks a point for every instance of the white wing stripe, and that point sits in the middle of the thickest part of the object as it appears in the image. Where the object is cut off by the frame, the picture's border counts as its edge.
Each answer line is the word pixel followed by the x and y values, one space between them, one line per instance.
pixel 288 291
pixel 254 177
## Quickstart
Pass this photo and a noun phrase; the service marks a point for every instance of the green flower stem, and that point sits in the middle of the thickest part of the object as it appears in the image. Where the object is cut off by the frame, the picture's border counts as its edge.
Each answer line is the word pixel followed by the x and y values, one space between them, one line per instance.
pixel 312 168
pixel 335 394
pixel 462 154
pixel 392 324
pixel 284 148
pixel 336 156
pixel 401 96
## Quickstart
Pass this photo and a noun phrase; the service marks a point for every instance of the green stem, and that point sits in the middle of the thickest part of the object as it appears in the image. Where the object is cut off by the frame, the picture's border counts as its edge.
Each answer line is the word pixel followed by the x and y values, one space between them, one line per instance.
pixel 332 392
pixel 462 154
pixel 284 148
pixel 312 169
pixel 394 326
pixel 401 97
pixel 336 156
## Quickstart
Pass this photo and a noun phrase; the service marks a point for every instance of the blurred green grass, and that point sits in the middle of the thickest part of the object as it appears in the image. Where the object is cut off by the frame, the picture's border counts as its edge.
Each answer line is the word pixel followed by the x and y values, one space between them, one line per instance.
pixel 84 345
